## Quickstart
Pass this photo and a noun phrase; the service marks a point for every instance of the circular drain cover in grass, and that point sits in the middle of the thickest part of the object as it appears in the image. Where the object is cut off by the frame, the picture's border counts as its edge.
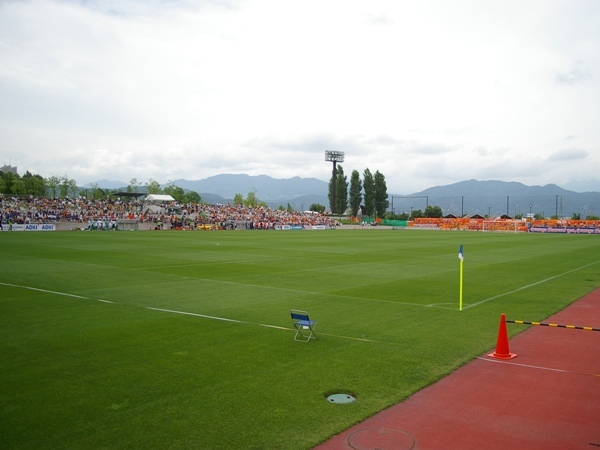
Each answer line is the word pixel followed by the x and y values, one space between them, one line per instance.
pixel 340 398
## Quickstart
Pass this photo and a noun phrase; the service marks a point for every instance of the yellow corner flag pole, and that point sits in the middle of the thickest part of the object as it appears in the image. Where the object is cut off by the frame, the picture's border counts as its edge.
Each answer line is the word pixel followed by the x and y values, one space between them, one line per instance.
pixel 460 283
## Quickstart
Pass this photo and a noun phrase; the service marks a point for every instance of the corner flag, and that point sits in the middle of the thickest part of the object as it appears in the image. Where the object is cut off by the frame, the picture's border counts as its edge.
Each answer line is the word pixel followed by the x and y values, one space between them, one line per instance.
pixel 461 256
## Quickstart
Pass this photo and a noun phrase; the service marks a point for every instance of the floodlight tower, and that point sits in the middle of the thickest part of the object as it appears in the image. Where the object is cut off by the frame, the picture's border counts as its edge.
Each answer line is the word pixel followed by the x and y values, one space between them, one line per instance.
pixel 334 157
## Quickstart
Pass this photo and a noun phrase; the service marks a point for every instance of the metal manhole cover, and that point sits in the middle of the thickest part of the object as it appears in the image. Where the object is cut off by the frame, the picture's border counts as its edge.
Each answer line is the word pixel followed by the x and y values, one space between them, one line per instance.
pixel 340 398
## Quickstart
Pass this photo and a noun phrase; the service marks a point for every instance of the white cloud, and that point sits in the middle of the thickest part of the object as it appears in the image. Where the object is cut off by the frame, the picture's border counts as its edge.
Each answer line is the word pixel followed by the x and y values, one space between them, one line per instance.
pixel 568 154
pixel 428 93
pixel 574 76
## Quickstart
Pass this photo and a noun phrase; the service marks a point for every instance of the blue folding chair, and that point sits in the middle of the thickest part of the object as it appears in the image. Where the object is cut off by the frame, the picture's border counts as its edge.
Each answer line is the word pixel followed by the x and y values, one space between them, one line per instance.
pixel 305 328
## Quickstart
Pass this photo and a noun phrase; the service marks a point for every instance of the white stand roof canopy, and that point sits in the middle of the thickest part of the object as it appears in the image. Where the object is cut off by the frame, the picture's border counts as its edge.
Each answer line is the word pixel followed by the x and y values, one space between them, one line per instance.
pixel 159 198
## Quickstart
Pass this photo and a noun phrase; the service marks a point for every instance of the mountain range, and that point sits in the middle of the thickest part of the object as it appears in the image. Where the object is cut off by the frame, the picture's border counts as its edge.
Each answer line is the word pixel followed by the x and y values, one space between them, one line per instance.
pixel 487 198
pixel 496 198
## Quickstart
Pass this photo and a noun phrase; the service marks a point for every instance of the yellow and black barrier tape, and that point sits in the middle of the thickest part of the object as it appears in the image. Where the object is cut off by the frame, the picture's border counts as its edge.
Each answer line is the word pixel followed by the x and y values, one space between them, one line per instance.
pixel 574 327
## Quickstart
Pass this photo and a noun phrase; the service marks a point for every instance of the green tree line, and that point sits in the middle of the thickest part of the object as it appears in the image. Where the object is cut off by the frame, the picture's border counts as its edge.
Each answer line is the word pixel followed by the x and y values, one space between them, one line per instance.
pixel 61 187
pixel 371 192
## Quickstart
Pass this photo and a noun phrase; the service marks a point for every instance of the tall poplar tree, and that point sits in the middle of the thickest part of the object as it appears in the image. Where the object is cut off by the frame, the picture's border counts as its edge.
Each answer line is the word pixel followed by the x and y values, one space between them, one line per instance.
pixel 369 189
pixel 330 190
pixel 381 196
pixel 341 189
pixel 355 193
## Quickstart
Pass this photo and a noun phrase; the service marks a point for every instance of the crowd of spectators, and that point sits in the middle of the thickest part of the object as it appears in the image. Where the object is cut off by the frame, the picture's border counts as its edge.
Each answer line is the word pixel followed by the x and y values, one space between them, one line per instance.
pixel 50 210
pixel 162 215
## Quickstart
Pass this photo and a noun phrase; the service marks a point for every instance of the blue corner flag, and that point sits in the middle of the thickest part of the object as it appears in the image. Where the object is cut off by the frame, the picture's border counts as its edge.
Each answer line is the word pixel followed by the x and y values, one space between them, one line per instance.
pixel 460 254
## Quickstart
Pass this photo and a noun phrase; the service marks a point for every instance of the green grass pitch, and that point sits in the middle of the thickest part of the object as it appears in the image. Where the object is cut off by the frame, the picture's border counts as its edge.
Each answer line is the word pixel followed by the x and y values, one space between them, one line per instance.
pixel 183 340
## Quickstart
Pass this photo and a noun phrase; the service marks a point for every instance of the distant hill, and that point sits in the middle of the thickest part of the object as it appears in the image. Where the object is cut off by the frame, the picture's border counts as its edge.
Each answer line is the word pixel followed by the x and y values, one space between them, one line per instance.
pixel 107 184
pixel 300 193
pixel 495 198
pixel 265 187
pixel 470 197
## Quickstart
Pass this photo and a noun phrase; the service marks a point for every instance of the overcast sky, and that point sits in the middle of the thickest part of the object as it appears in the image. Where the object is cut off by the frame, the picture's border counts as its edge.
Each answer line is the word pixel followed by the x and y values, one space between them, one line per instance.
pixel 426 92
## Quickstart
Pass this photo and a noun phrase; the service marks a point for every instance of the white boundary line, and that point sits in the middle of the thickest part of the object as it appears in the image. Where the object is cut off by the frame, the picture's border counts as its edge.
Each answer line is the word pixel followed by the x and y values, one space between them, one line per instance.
pixel 224 319
pixel 431 305
pixel 529 366
pixel 211 263
pixel 522 365
pixel 64 294
pixel 363 339
pixel 528 286
pixel 194 314
pixel 300 291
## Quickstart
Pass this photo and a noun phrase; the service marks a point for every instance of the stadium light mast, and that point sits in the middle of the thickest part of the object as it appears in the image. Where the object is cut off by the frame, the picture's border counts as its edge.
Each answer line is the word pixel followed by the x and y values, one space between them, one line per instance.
pixel 334 157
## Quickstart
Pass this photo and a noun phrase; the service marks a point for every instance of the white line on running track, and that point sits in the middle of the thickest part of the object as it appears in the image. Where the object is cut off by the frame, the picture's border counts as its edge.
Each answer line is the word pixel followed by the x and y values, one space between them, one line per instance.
pixel 522 365
pixel 528 286
pixel 534 367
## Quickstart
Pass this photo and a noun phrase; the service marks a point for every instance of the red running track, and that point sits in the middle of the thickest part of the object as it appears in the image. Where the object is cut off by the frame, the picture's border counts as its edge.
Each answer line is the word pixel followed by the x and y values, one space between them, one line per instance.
pixel 548 397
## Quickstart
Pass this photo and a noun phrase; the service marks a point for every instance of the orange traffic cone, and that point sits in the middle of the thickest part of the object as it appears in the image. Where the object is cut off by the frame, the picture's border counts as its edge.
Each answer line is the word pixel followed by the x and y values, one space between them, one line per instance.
pixel 502 351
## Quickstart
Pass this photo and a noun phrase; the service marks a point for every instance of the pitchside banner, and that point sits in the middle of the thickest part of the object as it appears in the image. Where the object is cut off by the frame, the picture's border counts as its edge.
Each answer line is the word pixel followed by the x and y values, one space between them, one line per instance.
pixel 300 227
pixel 590 230
pixel 34 227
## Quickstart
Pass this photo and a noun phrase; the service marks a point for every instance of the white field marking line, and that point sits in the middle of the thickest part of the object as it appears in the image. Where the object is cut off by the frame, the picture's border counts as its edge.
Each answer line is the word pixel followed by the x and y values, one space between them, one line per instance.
pixel 54 292
pixel 205 264
pixel 147 307
pixel 217 318
pixel 195 314
pixel 201 315
pixel 361 339
pixel 233 283
pixel 208 263
pixel 44 290
pixel 438 306
pixel 224 319
pixel 534 367
pixel 528 286
pixel 299 291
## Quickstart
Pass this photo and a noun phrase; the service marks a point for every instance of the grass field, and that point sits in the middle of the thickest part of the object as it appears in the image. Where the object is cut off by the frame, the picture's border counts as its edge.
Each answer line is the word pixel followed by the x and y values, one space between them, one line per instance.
pixel 118 339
